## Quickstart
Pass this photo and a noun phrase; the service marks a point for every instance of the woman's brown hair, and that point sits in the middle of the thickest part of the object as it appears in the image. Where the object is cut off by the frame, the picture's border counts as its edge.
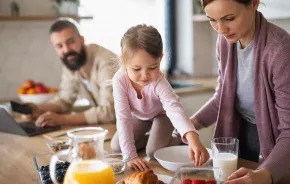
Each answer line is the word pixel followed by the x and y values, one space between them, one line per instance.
pixel 204 3
pixel 141 37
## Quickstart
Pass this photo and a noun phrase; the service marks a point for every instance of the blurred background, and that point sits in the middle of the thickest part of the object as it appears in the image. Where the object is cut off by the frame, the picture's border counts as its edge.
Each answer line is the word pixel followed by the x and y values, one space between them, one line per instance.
pixel 26 51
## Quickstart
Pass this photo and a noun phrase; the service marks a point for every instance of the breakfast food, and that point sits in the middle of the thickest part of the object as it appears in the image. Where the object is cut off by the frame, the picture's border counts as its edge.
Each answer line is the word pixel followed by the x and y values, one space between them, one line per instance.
pixel 61 168
pixel 116 164
pixel 86 151
pixel 142 177
pixel 32 87
pixel 59 145
pixel 189 181
pixel 198 182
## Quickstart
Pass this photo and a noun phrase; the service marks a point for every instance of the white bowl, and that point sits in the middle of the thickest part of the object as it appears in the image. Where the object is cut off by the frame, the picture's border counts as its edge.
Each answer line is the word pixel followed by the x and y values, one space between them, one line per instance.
pixel 36 98
pixel 174 157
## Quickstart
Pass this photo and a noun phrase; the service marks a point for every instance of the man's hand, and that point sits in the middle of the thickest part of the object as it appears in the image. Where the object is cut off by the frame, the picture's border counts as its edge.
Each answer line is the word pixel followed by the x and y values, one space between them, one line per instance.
pixel 196 150
pixel 247 176
pixel 50 119
pixel 138 164
pixel 36 112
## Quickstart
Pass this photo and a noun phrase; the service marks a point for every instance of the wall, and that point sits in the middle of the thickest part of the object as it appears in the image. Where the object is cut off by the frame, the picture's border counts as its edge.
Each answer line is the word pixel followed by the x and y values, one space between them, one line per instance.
pixel 200 61
pixel 25 48
pixel 29 7
pixel 195 42
pixel 184 37
pixel 191 104
pixel 26 53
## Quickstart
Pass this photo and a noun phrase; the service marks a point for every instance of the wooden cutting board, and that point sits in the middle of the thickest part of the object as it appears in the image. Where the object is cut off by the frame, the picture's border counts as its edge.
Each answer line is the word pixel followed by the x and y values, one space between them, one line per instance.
pixel 59 134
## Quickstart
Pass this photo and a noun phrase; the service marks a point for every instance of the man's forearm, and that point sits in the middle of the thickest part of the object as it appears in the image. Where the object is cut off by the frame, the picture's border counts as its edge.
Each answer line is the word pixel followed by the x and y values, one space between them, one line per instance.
pixel 74 119
pixel 49 107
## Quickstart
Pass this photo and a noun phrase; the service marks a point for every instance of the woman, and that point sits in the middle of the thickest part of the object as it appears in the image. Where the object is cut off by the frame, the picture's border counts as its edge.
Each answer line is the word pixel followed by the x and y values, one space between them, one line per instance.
pixel 252 99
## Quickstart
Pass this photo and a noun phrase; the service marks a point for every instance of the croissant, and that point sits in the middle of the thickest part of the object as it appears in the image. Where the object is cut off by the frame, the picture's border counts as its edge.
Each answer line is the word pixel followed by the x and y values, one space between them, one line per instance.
pixel 142 177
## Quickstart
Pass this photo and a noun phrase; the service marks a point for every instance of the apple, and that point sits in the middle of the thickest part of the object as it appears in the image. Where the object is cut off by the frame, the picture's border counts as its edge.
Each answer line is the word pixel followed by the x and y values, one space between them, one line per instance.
pixel 40 88
pixel 28 84
pixel 39 84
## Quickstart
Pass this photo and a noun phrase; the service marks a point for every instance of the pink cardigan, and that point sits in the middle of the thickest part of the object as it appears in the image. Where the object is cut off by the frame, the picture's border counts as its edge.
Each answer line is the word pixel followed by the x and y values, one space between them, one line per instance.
pixel 271 90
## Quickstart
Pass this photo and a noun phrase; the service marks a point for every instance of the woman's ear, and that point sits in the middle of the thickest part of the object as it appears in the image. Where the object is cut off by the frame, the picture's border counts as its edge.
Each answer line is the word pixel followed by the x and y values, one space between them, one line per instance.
pixel 256 4
pixel 160 58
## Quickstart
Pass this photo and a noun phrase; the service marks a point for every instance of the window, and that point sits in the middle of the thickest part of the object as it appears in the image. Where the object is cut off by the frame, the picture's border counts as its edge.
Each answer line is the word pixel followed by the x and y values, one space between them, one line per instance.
pixel 113 17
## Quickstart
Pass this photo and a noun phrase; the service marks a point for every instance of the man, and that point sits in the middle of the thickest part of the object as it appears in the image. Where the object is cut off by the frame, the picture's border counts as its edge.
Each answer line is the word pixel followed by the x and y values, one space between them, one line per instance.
pixel 87 70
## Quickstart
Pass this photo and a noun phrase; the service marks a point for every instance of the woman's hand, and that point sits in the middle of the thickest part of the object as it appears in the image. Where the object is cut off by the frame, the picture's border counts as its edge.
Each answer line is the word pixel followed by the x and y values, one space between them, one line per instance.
pixel 196 150
pixel 138 164
pixel 50 119
pixel 247 176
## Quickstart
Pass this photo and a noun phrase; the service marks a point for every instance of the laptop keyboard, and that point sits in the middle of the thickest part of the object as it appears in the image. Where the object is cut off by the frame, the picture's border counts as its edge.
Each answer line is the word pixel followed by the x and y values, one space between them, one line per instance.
pixel 30 127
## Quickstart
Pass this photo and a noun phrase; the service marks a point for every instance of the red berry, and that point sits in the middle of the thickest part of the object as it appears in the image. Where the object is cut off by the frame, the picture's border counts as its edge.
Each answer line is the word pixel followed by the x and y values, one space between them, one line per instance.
pixel 211 182
pixel 198 182
pixel 187 181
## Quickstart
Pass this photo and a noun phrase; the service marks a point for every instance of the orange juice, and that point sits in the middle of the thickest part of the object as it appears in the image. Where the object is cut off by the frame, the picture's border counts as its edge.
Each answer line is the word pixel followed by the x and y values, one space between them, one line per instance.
pixel 89 172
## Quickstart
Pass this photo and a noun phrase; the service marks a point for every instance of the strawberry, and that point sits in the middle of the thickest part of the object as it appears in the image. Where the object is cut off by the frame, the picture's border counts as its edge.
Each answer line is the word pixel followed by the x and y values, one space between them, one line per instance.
pixel 187 181
pixel 211 182
pixel 198 182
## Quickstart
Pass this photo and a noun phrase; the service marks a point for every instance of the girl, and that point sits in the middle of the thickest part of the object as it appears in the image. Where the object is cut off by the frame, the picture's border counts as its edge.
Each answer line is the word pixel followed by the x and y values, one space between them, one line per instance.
pixel 144 100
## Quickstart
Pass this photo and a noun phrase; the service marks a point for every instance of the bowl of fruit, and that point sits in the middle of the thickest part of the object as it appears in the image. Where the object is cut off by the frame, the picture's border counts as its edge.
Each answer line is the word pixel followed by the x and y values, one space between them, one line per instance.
pixel 41 163
pixel 194 175
pixel 36 92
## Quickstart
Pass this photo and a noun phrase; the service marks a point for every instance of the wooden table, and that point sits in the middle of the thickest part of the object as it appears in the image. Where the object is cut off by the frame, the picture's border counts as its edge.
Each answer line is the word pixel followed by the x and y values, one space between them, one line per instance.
pixel 17 152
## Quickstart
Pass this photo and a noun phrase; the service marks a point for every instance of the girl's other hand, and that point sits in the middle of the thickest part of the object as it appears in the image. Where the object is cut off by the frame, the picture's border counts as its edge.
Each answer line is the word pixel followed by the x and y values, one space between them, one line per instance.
pixel 197 152
pixel 138 164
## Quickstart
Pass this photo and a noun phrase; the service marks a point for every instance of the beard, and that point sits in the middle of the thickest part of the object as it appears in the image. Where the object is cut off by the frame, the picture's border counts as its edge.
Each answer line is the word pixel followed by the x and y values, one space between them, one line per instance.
pixel 79 59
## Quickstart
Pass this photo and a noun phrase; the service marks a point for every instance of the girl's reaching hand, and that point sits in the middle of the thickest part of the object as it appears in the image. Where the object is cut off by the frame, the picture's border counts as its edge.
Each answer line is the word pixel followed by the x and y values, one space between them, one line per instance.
pixel 197 152
pixel 138 164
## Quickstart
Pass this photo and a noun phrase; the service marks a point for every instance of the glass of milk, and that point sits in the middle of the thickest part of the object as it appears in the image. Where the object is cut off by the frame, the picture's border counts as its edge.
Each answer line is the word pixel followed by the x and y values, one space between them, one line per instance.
pixel 225 155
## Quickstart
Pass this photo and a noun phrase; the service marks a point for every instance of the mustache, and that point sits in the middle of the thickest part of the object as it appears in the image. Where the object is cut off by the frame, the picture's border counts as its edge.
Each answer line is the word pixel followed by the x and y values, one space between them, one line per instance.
pixel 77 62
pixel 70 53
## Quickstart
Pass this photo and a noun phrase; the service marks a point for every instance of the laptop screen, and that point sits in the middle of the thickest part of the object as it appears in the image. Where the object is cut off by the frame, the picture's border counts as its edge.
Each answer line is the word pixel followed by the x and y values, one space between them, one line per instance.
pixel 9 125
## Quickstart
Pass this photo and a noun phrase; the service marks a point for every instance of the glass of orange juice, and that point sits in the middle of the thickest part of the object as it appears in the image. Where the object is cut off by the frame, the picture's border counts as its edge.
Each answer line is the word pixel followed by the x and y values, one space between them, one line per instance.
pixel 87 154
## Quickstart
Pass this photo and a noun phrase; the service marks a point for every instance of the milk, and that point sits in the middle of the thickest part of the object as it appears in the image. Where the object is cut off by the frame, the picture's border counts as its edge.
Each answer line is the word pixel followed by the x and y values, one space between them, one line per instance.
pixel 228 163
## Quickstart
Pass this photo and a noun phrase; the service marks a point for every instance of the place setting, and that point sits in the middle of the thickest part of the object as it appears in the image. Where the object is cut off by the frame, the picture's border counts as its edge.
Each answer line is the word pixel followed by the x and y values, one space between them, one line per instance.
pixel 222 163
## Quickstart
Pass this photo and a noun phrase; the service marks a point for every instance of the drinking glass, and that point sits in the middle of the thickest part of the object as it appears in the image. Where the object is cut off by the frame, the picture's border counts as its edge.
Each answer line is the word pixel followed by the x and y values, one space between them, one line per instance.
pixel 225 155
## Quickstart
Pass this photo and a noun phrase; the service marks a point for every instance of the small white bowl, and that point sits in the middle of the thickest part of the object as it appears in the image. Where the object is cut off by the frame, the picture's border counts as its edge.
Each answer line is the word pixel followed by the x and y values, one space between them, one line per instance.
pixel 56 145
pixel 117 161
pixel 174 157
pixel 36 98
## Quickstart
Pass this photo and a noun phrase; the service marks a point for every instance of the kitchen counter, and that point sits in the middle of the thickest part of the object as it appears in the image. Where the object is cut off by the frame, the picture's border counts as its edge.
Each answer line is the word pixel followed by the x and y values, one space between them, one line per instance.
pixel 195 85
pixel 199 85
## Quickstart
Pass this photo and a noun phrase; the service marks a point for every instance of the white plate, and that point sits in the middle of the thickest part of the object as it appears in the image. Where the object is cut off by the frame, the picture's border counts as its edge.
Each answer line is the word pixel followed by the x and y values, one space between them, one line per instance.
pixel 174 157
pixel 161 177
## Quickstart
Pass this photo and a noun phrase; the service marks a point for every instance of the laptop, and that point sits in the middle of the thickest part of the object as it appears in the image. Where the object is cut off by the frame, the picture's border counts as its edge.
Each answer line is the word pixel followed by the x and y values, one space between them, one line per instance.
pixel 9 125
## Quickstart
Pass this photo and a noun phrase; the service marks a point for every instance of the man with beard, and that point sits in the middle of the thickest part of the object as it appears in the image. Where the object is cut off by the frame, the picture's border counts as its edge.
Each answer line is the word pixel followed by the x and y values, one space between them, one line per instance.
pixel 88 68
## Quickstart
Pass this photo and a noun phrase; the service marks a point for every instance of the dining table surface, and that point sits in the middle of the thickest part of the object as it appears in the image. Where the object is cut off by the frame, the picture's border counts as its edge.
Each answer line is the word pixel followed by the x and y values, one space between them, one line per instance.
pixel 17 153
